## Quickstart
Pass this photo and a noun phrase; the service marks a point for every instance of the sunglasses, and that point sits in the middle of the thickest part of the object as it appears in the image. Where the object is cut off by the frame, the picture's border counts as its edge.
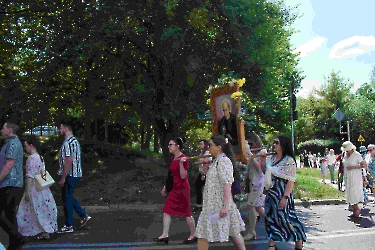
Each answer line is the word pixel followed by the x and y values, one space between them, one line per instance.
pixel 276 142
pixel 370 149
pixel 171 144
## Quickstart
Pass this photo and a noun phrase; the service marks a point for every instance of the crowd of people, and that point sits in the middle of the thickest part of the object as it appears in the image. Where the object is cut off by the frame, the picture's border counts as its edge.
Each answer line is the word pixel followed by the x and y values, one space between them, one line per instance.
pixel 356 171
pixel 34 212
pixel 220 219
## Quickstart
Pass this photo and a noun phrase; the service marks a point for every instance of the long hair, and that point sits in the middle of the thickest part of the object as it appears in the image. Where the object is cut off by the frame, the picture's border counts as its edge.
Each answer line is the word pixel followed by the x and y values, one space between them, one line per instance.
pixel 252 136
pixel 227 148
pixel 286 146
pixel 205 146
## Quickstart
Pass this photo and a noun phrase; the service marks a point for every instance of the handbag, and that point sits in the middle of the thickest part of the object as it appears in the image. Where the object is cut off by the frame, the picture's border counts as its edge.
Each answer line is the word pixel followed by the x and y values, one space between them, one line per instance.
pixel 268 179
pixel 43 180
pixel 169 182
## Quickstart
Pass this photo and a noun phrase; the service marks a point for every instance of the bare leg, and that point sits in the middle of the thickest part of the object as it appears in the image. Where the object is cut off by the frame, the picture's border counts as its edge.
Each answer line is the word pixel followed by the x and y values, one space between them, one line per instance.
pixel 260 211
pixel 191 223
pixel 252 223
pixel 202 244
pixel 271 245
pixel 166 225
pixel 299 244
pixel 238 242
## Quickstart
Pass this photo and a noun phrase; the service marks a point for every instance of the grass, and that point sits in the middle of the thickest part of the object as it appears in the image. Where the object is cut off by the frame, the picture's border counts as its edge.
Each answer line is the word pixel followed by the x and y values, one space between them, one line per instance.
pixel 308 186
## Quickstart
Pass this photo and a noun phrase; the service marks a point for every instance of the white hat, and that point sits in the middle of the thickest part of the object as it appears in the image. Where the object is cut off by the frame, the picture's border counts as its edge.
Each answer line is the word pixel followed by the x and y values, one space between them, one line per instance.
pixel 346 146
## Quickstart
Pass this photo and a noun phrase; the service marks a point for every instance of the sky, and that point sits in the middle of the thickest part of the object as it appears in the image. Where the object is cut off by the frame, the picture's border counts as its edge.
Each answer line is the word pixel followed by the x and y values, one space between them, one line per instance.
pixel 334 35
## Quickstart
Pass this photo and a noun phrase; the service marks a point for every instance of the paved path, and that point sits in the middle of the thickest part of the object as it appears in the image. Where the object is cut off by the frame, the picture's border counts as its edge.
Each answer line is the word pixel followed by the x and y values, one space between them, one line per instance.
pixel 327 227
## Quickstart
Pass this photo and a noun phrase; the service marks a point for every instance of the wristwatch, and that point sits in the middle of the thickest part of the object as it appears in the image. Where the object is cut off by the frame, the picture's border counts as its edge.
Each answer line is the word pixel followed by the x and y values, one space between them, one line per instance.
pixel 286 197
pixel 225 206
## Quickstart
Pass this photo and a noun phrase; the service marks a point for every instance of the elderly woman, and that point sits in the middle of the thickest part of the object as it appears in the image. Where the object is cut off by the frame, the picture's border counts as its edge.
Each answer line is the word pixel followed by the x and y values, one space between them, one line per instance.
pixel 282 223
pixel 220 219
pixel 353 163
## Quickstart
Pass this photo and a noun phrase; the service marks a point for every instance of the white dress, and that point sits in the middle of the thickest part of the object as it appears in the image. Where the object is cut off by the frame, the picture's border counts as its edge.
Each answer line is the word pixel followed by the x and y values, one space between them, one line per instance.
pixel 209 226
pixel 353 178
pixel 256 198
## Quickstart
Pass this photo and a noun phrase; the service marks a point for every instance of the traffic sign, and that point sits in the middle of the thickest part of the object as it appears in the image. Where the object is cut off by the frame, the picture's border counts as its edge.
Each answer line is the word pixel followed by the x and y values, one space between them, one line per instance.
pixel 360 138
pixel 339 115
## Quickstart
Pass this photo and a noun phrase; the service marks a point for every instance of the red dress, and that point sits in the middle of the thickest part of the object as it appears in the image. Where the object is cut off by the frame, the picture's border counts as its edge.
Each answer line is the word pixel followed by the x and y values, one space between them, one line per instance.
pixel 178 200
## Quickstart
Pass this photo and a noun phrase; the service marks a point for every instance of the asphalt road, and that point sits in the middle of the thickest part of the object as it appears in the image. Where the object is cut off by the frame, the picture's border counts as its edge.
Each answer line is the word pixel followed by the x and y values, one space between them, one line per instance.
pixel 327 227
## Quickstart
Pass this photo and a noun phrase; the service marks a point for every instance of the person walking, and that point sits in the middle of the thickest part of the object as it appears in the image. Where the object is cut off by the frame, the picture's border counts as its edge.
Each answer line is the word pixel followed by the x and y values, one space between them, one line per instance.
pixel 203 168
pixel 353 163
pixel 71 173
pixel 282 223
pixel 255 197
pixel 178 200
pixel 220 219
pixel 324 170
pixel 340 172
pixel 331 158
pixel 37 212
pixel 11 182
pixel 370 163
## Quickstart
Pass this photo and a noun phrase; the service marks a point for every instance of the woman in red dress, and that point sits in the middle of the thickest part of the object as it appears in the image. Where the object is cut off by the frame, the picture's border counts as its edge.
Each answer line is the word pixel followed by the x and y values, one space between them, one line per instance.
pixel 178 200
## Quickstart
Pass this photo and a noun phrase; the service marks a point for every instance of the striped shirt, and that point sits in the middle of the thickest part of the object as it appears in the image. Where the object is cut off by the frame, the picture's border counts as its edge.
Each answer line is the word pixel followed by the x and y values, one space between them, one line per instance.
pixel 71 147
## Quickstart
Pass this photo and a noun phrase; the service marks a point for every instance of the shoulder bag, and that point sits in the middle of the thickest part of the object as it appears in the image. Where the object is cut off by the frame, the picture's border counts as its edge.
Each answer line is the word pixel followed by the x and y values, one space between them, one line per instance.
pixel 43 180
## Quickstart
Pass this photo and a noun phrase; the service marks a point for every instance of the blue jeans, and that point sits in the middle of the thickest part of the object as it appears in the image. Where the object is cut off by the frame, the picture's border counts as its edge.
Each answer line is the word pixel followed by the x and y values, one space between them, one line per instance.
pixel 70 203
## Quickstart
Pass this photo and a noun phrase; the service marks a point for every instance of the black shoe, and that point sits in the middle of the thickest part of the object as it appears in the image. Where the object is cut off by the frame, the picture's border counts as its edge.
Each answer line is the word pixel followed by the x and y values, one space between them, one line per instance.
pixel 197 209
pixel 165 240
pixel 187 241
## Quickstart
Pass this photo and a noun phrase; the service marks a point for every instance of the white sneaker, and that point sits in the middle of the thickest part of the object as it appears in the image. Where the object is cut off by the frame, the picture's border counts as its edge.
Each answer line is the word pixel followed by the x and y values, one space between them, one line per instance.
pixel 66 229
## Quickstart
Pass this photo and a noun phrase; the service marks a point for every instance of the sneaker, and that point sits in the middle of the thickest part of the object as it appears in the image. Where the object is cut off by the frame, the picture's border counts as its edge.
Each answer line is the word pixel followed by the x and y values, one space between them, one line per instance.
pixel 84 221
pixel 66 229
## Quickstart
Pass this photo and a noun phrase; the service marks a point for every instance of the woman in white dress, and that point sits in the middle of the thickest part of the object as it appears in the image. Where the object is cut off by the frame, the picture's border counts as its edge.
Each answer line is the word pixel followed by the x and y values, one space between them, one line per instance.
pixel 220 219
pixel 255 197
pixel 353 164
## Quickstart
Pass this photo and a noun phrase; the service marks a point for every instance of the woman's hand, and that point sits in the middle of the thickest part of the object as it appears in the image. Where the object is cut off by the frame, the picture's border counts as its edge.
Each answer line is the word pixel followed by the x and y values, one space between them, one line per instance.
pixel 282 203
pixel 223 212
pixel 203 177
pixel 164 191
pixel 183 159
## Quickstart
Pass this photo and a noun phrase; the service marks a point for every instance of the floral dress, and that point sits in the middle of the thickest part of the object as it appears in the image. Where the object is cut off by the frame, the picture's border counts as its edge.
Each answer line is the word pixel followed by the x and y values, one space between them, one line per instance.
pixel 40 214
pixel 210 226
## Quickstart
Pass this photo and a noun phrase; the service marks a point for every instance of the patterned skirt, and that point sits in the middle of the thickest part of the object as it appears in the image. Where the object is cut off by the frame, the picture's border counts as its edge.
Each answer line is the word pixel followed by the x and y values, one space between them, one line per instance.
pixel 282 225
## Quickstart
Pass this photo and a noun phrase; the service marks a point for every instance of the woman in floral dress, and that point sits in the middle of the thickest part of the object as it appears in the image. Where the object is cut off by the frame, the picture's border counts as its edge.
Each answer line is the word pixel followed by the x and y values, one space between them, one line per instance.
pixel 220 219
pixel 37 212
pixel 255 198
pixel 282 223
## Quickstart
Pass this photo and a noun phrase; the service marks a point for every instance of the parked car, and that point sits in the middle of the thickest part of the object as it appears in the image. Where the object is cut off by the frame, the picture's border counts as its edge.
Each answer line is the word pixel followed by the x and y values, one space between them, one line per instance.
pixel 46 130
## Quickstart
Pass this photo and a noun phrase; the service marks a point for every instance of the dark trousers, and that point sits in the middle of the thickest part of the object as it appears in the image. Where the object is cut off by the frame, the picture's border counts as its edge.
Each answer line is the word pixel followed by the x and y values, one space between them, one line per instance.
pixel 199 184
pixel 9 199
pixel 70 203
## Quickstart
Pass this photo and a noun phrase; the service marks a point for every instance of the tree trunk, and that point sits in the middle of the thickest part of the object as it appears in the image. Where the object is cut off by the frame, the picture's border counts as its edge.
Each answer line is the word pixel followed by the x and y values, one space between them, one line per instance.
pixel 156 141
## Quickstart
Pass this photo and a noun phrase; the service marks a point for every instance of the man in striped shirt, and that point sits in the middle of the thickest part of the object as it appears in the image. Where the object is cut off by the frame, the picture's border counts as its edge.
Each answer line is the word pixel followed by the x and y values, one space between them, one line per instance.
pixel 71 173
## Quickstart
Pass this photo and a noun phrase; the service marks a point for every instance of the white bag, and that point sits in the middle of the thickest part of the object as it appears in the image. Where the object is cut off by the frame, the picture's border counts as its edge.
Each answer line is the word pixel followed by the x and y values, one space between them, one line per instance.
pixel 268 179
pixel 43 180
